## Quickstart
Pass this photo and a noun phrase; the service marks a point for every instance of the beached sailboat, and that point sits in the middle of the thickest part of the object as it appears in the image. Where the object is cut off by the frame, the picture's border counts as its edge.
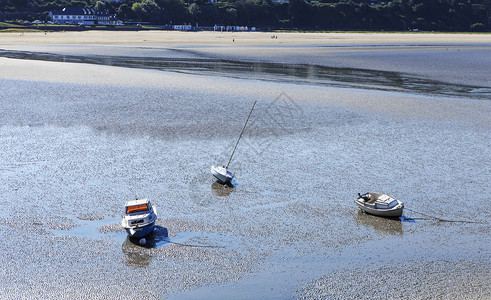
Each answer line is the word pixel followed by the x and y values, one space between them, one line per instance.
pixel 139 218
pixel 221 173
pixel 380 204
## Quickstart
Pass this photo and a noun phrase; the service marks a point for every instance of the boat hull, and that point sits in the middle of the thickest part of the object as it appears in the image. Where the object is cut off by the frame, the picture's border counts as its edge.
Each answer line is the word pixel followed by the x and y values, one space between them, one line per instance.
pixel 139 232
pixel 382 212
pixel 221 174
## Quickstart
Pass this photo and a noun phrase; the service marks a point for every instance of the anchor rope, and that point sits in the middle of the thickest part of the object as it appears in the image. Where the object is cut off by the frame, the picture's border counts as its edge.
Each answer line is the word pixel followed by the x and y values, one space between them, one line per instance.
pixel 440 219
pixel 190 245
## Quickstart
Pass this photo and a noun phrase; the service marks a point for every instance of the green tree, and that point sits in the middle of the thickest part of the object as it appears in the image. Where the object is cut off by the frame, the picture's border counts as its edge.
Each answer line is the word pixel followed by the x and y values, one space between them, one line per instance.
pixel 231 16
pixel 300 13
pixel 194 12
pixel 478 27
pixel 151 12
pixel 100 6
pixel 173 11
pixel 124 12
pixel 137 10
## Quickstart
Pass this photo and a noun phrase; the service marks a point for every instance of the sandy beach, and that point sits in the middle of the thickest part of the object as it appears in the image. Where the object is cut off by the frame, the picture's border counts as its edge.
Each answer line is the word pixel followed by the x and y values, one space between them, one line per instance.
pixel 204 38
pixel 91 119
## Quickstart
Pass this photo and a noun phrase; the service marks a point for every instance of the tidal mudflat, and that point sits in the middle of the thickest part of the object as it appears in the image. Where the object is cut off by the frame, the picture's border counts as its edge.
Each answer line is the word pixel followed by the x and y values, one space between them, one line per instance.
pixel 84 127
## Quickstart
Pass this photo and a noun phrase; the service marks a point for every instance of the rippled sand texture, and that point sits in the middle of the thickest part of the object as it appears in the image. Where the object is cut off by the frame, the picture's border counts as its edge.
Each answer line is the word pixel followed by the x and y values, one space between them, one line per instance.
pixel 79 136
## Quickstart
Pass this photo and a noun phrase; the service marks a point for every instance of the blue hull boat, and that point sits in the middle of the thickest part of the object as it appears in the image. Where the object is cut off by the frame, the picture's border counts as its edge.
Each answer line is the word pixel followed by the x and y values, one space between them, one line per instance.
pixel 139 232
pixel 139 218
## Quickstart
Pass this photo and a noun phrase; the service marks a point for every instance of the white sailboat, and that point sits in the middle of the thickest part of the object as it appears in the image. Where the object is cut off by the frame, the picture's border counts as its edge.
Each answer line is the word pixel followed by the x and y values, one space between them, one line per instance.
pixel 221 173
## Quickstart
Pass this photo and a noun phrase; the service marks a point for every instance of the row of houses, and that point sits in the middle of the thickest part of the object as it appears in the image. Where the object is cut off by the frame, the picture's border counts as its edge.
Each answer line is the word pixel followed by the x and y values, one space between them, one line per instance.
pixel 83 16
pixel 232 28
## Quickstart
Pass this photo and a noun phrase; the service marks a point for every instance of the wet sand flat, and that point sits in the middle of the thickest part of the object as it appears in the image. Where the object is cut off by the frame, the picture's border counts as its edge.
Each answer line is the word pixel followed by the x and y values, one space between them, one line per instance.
pixel 79 138
pixel 454 58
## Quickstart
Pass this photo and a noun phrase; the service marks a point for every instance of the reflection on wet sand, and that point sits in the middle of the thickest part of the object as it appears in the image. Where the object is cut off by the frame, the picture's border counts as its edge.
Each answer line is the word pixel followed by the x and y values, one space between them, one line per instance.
pixel 137 254
pixel 294 73
pixel 221 190
pixel 381 225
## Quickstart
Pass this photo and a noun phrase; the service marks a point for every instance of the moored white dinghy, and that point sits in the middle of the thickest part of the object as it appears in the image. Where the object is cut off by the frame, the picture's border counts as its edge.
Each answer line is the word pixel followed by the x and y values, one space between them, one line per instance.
pixel 139 218
pixel 222 174
pixel 380 204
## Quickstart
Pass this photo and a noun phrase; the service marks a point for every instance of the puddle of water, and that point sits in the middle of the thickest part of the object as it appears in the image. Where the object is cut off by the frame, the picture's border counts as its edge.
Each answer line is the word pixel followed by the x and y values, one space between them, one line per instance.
pixel 157 239
pixel 407 220
pixel 91 230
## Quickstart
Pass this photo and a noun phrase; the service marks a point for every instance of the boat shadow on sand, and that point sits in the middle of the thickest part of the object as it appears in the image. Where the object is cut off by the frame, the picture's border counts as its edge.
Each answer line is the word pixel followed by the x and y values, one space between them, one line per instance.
pixel 157 238
pixel 223 189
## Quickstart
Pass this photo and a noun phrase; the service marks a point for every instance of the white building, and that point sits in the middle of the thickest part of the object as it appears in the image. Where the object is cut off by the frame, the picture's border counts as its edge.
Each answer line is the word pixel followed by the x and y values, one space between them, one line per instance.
pixel 185 27
pixel 86 16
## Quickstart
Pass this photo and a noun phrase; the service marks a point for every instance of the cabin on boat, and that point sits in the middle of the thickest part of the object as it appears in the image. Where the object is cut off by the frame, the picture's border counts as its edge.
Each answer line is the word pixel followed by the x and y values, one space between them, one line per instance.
pixel 138 206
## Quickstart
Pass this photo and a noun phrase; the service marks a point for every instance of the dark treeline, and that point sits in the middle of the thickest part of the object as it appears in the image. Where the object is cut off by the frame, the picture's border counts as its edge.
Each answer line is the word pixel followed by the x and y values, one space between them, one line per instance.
pixel 434 15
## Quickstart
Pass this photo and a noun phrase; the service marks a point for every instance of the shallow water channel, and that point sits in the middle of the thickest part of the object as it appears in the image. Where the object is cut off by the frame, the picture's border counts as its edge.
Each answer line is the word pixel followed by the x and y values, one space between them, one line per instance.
pixel 277 72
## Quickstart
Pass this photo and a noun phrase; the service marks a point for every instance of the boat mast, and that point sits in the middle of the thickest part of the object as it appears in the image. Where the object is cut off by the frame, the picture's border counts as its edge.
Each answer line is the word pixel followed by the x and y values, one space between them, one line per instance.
pixel 242 132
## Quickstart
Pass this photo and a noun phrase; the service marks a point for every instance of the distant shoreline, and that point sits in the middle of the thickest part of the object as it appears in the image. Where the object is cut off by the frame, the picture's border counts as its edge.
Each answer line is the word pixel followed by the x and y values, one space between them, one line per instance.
pixel 7 26
pixel 210 38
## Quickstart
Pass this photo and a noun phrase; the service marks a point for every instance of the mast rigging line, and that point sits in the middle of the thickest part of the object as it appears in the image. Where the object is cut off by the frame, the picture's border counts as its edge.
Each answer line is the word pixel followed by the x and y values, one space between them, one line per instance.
pixel 242 132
